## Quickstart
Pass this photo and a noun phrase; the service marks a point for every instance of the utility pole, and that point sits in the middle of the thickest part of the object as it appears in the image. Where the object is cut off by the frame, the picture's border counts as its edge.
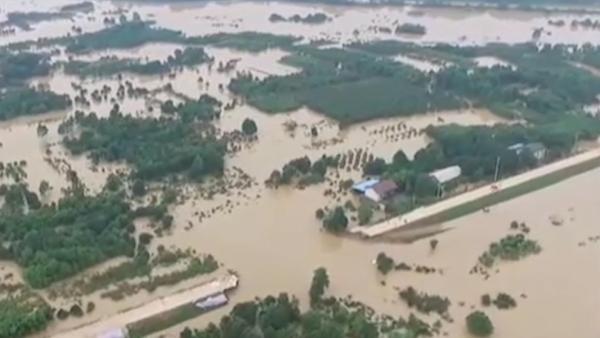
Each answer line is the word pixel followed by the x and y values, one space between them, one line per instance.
pixel 497 169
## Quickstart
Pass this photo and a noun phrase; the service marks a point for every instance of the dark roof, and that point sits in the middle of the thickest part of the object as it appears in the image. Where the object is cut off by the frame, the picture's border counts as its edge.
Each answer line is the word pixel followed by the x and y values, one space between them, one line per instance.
pixel 385 187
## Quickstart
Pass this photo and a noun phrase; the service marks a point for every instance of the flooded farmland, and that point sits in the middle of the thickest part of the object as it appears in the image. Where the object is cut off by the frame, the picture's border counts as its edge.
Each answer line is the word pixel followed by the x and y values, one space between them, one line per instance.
pixel 270 237
pixel 349 23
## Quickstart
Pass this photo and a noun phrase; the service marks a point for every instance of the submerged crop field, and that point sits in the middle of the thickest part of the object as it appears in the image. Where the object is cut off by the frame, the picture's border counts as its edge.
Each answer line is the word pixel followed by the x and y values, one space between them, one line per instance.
pixel 150 148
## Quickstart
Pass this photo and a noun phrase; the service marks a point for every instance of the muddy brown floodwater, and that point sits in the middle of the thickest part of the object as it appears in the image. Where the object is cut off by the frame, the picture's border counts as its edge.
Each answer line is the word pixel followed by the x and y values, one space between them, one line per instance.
pixel 271 237
pixel 449 25
pixel 275 244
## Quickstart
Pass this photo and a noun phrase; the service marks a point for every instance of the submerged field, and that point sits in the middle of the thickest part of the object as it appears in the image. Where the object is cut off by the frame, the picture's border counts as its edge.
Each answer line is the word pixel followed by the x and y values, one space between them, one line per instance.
pixel 140 144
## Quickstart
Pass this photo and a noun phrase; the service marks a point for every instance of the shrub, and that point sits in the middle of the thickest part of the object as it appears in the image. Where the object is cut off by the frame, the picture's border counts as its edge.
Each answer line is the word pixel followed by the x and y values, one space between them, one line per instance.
pixel 504 301
pixel 336 221
pixel 319 214
pixel 76 311
pixel 138 188
pixel 145 238
pixel 479 324
pixel 90 307
pixel 249 127
pixel 385 263
pixel 365 213
pixel 486 300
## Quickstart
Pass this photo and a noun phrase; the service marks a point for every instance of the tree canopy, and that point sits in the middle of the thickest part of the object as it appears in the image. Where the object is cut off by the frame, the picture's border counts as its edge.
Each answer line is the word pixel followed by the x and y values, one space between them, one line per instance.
pixel 27 101
pixel 155 147
pixel 55 242
pixel 479 324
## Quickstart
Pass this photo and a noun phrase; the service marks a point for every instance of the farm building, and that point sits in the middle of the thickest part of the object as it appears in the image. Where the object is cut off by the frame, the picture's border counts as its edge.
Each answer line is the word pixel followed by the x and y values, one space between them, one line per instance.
pixel 362 186
pixel 381 190
pixel 446 175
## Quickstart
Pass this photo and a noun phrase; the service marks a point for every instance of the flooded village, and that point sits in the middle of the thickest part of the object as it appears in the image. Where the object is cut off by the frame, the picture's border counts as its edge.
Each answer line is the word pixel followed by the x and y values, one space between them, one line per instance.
pixel 394 171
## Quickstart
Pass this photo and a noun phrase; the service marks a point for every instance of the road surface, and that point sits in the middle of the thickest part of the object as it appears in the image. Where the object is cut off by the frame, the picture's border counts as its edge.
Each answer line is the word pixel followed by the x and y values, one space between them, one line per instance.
pixel 120 320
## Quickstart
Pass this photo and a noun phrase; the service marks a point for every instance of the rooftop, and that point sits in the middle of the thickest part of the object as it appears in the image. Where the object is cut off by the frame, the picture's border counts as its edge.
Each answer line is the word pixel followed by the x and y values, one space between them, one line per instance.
pixel 363 186
pixel 384 187
pixel 446 174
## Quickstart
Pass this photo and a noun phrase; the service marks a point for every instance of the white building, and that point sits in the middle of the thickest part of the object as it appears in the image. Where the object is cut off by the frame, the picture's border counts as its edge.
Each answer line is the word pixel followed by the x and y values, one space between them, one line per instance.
pixel 447 174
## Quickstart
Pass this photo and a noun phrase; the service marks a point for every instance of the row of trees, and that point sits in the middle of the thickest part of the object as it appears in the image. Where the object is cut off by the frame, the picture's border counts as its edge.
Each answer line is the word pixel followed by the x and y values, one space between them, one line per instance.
pixel 110 66
pixel 302 171
pixel 18 67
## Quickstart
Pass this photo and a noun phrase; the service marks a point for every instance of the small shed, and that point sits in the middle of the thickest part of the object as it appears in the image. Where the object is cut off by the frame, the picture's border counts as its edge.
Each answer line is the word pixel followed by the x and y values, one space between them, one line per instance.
pixel 382 190
pixel 114 333
pixel 212 302
pixel 362 186
pixel 447 174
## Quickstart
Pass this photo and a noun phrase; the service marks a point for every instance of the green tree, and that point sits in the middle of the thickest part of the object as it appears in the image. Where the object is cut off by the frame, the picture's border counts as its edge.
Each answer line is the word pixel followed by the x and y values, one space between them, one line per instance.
pixel 365 213
pixel 385 264
pixel 247 311
pixel 400 159
pixel 42 130
pixel 375 168
pixel 433 244
pixel 145 238
pixel 76 311
pixel 113 182
pixel 320 282
pixel 425 186
pixel 44 187
pixel 197 168
pixel 479 324
pixel 486 300
pixel 336 221
pixel 138 188
pixel 249 127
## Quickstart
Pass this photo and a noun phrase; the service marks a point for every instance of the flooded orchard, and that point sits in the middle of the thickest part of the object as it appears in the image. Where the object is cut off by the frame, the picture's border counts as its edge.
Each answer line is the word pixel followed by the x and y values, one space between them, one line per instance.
pixel 270 237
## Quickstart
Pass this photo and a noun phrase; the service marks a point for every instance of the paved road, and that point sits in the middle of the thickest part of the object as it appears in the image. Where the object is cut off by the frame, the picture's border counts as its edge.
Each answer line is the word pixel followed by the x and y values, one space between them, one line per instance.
pixel 120 320
pixel 430 210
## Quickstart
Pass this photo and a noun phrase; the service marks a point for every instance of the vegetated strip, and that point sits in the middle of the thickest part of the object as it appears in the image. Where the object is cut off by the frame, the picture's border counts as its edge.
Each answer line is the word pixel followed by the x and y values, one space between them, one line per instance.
pixel 180 314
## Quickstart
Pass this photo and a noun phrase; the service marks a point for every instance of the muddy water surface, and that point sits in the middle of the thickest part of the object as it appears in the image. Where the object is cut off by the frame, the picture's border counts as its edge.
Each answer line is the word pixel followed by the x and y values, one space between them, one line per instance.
pixel 349 23
pixel 271 238
pixel 275 244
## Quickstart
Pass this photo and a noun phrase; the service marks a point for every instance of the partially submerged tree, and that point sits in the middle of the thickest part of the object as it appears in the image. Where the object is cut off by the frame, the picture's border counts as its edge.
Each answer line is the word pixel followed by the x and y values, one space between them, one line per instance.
pixel 249 127
pixel 479 324
pixel 320 282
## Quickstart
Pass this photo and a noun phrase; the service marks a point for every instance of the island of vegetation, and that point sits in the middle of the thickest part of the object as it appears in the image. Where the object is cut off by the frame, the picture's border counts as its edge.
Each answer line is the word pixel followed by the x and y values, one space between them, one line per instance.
pixel 315 18
pixel 411 28
pixel 28 101
pixel 190 56
pixel 154 147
